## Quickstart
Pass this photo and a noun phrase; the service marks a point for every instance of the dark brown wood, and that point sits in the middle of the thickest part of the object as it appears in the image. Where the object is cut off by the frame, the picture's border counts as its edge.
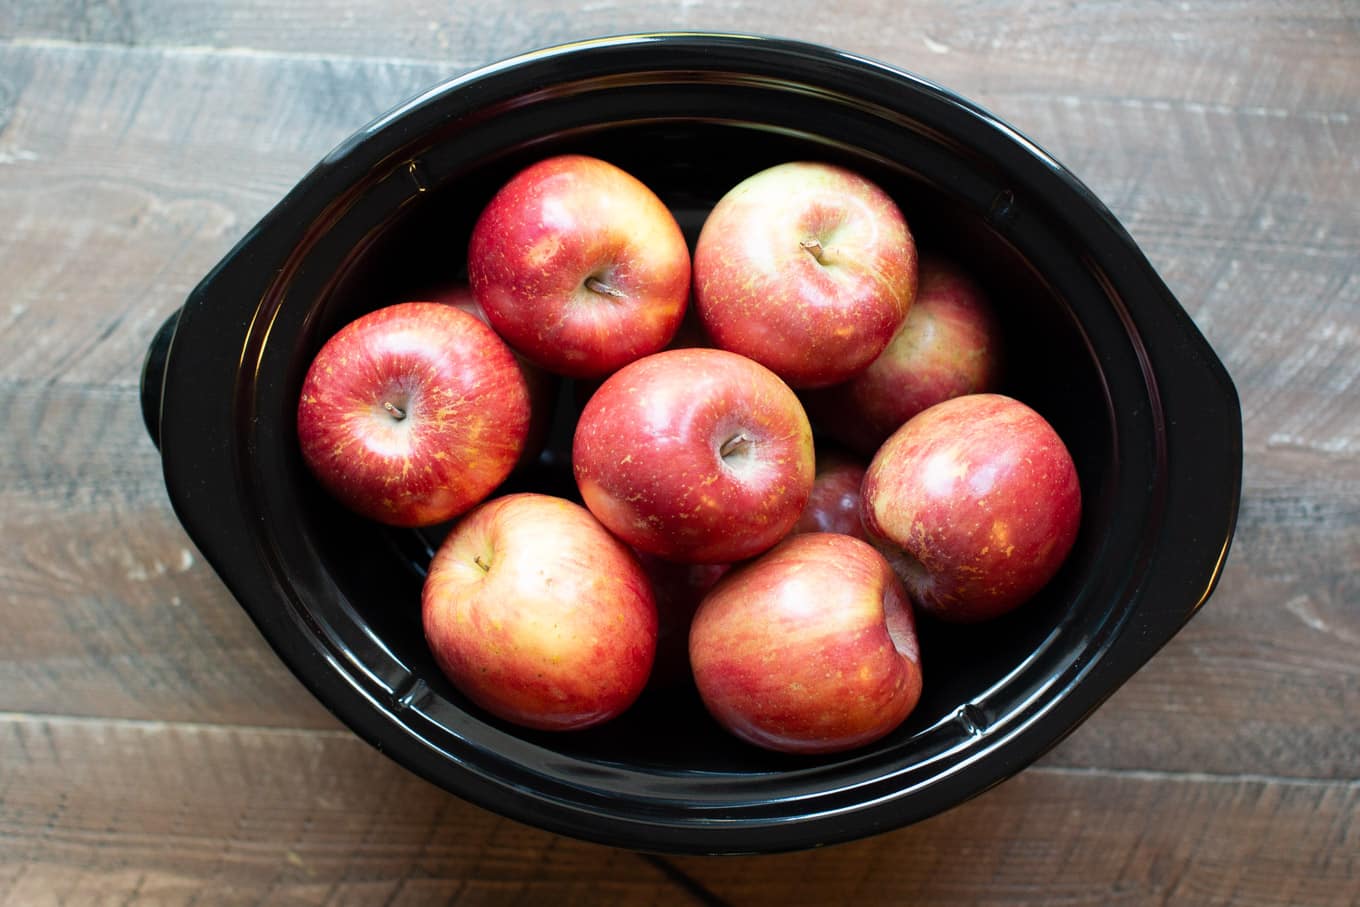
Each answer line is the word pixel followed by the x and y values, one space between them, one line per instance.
pixel 1084 838
pixel 1264 680
pixel 181 814
pixel 154 750
pixel 166 812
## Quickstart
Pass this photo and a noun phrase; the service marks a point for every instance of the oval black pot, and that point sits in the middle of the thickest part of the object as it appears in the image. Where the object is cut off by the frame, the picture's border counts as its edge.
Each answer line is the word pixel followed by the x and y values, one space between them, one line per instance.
pixel 1097 343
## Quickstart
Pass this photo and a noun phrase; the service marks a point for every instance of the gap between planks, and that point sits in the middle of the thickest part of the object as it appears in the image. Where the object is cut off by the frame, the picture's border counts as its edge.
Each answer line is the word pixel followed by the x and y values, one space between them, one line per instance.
pixel 248 53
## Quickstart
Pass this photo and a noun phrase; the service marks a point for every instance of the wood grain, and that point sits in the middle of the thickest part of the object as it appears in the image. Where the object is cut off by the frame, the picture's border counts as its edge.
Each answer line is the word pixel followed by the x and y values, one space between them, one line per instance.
pixel 109 242
pixel 162 813
pixel 109 609
pixel 1081 838
pixel 154 751
pixel 126 175
pixel 1287 57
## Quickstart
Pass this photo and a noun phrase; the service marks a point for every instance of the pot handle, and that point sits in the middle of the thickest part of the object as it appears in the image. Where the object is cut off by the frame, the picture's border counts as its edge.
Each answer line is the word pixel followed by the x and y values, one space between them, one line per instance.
pixel 153 376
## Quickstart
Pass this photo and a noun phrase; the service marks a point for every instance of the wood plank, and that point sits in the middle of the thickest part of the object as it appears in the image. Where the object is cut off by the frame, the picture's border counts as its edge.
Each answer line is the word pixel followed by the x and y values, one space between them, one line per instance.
pixel 112 812
pixel 117 204
pixel 118 208
pixel 1074 837
pixel 93 812
pixel 1265 679
pixel 108 607
pixel 1292 57
pixel 140 139
pixel 111 611
pixel 1212 194
pixel 1243 211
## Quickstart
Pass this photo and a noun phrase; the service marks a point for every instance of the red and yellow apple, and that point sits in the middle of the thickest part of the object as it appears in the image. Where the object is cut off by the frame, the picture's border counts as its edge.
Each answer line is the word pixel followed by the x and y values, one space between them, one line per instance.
pixel 695 455
pixel 949 345
pixel 538 615
pixel 834 505
pixel 542 384
pixel 679 588
pixel 810 648
pixel 413 413
pixel 579 266
pixel 806 267
pixel 976 502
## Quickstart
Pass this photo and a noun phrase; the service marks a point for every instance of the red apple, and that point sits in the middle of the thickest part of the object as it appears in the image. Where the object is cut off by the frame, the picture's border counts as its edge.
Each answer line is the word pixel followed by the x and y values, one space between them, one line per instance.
pixel 950 345
pixel 810 648
pixel 808 268
pixel 679 588
pixel 543 385
pixel 695 455
pixel 412 414
pixel 977 504
pixel 834 505
pixel 539 615
pixel 579 266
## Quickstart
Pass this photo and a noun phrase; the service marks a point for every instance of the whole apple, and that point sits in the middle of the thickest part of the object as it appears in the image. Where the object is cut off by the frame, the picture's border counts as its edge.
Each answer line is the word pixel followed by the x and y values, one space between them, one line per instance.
pixel 834 505
pixel 949 345
pixel 695 455
pixel 579 266
pixel 806 267
pixel 539 615
pixel 413 413
pixel 810 648
pixel 678 588
pixel 542 384
pixel 976 501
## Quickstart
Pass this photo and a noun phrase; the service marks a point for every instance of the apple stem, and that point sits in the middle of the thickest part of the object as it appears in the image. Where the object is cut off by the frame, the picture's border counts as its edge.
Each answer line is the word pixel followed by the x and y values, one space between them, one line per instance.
pixel 477 559
pixel 736 444
pixel 397 412
pixel 814 247
pixel 596 285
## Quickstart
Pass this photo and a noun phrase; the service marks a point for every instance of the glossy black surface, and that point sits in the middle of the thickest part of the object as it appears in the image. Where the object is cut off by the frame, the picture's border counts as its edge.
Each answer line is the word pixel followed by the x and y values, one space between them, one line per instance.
pixel 1097 344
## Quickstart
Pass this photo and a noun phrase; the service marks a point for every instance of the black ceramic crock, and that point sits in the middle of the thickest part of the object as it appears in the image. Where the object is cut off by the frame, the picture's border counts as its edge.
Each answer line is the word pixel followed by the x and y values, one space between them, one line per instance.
pixel 1096 341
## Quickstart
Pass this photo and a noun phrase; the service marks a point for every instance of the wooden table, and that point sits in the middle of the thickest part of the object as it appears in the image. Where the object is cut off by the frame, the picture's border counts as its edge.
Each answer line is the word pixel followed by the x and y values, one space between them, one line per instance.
pixel 154 751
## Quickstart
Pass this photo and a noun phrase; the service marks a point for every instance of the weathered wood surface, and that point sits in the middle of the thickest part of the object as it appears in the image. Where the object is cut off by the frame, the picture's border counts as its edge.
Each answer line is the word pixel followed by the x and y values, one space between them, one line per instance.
pixel 130 812
pixel 140 140
pixel 1296 56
